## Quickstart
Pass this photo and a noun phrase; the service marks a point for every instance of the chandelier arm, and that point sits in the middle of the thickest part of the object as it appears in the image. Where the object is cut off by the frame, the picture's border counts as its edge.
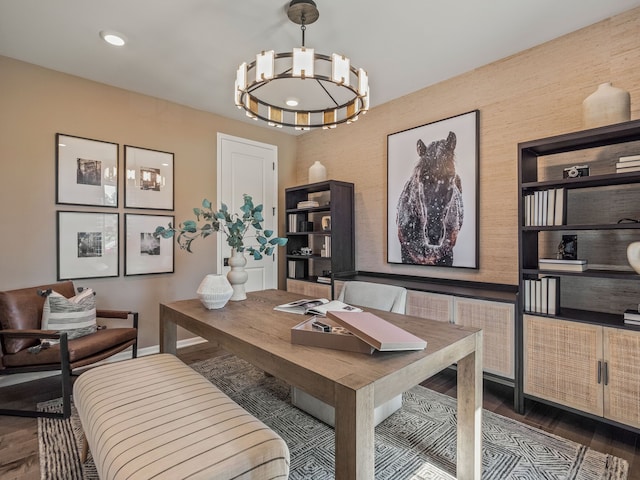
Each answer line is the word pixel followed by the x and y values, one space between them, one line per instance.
pixel 327 92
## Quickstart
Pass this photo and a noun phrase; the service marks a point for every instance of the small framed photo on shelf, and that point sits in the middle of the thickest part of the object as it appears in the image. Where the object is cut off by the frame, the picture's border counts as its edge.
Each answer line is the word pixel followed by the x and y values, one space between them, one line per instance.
pixel 87 245
pixel 568 248
pixel 86 171
pixel 148 178
pixel 145 253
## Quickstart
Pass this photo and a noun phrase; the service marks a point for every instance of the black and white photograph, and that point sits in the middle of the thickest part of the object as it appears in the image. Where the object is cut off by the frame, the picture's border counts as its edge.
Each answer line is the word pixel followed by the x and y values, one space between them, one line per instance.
pixel 144 252
pixel 86 171
pixel 87 245
pixel 432 194
pixel 148 178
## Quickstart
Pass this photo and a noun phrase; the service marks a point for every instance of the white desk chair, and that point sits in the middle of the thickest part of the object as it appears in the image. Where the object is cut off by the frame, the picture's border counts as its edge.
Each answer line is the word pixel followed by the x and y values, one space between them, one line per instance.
pixel 364 294
pixel 374 295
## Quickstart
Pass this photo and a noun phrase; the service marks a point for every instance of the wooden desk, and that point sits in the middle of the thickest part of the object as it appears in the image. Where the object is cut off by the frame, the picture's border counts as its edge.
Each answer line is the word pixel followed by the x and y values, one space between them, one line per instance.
pixel 353 383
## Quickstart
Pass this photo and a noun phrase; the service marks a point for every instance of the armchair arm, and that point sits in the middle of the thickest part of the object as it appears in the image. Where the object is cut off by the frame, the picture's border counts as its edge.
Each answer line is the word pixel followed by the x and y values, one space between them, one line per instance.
pixel 118 314
pixel 32 333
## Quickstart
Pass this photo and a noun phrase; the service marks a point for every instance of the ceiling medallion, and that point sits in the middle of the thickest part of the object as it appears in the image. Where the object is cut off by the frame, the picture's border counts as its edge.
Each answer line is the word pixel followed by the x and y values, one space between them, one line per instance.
pixel 343 88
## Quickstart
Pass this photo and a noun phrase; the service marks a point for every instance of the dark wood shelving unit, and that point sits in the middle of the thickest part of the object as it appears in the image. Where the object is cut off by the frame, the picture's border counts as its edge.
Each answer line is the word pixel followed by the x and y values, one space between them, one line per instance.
pixel 561 357
pixel 336 200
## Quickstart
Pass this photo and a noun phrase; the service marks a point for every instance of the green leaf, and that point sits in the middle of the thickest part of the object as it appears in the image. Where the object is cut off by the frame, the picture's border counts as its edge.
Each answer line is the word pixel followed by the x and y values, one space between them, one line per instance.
pixel 190 226
pixel 268 251
pixel 267 233
pixel 261 240
pixel 206 204
pixel 257 255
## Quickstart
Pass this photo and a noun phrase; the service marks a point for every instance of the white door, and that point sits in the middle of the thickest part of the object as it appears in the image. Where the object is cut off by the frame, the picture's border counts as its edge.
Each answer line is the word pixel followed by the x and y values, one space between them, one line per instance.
pixel 245 166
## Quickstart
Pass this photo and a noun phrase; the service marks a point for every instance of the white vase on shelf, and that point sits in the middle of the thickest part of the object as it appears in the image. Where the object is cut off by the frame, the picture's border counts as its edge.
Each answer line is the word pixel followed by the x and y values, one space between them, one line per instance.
pixel 633 256
pixel 237 276
pixel 606 106
pixel 317 172
pixel 214 291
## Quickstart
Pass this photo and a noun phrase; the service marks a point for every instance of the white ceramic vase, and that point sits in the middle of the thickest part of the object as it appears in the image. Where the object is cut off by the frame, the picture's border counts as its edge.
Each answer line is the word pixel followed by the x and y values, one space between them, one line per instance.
pixel 214 291
pixel 237 276
pixel 317 172
pixel 633 256
pixel 606 106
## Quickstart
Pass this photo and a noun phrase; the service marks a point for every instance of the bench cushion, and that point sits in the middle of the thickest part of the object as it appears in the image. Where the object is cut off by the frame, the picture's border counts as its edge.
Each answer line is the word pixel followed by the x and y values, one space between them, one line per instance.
pixel 154 417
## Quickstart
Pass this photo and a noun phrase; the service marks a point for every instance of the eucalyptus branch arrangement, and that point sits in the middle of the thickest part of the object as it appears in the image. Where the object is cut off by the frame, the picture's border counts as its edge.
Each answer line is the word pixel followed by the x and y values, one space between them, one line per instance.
pixel 234 226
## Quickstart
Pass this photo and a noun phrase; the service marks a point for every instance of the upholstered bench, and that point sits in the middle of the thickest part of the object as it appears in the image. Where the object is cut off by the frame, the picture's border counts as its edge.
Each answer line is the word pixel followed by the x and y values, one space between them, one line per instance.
pixel 154 417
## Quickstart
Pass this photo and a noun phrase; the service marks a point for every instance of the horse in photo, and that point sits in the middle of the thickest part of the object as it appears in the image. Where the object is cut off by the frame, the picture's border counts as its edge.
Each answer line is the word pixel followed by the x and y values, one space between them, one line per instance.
pixel 430 208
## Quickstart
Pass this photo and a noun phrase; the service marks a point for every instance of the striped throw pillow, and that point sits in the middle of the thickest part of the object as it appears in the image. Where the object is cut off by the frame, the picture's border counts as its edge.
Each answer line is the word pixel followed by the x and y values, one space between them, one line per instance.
pixel 75 315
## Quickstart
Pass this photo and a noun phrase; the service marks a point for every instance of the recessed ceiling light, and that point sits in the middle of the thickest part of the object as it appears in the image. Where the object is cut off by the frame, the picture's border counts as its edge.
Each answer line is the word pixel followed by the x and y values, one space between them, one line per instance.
pixel 113 38
pixel 292 102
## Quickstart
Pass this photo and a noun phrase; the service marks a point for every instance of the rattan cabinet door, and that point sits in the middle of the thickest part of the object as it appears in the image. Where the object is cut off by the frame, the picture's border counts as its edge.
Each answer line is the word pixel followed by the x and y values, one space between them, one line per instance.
pixel 309 289
pixel 497 321
pixel 561 362
pixel 434 306
pixel 622 379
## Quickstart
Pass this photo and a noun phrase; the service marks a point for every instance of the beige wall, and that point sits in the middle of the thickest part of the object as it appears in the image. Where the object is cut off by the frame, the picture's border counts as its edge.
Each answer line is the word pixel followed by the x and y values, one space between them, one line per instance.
pixel 530 95
pixel 35 104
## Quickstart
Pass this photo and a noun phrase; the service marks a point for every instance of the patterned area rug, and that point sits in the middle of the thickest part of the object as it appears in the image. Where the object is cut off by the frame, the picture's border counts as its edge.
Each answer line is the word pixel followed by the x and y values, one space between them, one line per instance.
pixel 418 442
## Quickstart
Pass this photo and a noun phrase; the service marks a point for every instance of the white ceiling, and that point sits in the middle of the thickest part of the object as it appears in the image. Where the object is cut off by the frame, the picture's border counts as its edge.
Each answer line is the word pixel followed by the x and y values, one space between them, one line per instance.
pixel 187 51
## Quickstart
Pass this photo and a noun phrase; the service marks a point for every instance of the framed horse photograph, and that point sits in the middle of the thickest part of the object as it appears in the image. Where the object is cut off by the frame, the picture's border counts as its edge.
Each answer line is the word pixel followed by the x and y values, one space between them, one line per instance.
pixel 432 193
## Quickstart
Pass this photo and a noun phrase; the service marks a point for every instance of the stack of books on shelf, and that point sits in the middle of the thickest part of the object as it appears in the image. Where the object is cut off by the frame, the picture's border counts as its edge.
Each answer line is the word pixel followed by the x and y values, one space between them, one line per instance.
pixel 293 222
pixel 296 269
pixel 308 204
pixel 629 163
pixel 326 248
pixel 562 265
pixel 323 279
pixel 632 317
pixel 545 207
pixel 542 295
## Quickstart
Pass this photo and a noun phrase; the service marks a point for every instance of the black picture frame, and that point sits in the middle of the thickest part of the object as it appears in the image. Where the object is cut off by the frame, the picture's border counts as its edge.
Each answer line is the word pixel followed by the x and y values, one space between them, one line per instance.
pixel 149 178
pixel 433 168
pixel 87 245
pixel 86 171
pixel 146 254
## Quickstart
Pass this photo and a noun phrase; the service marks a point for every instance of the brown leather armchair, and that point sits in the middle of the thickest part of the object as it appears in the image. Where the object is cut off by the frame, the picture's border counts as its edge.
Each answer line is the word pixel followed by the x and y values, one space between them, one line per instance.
pixel 20 324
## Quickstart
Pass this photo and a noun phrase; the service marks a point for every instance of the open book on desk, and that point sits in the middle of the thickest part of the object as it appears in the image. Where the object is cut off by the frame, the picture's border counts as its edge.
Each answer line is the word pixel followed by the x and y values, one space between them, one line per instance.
pixel 319 306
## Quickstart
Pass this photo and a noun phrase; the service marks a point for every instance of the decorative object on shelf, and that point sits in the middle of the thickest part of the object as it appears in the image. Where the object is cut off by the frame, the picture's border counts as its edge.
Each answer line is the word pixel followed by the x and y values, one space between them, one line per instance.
pixel 568 248
pixel 432 182
pixel 235 228
pixel 633 256
pixel 576 171
pixel 326 223
pixel 237 276
pixel 335 77
pixel 605 106
pixel 214 291
pixel 317 172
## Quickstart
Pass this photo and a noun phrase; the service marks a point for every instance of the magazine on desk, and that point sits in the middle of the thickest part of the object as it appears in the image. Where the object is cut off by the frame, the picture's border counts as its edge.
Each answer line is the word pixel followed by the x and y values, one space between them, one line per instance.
pixel 318 306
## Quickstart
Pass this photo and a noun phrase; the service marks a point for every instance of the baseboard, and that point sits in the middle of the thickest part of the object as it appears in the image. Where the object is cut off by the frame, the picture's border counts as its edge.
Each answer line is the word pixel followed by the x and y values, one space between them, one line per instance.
pixel 15 379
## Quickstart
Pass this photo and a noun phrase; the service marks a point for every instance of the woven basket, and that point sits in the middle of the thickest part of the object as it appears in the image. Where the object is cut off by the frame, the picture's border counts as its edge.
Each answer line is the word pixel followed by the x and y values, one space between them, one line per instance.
pixel 214 291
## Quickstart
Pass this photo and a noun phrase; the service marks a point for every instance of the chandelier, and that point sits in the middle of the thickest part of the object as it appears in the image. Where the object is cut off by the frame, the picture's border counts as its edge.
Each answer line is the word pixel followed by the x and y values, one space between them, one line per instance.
pixel 302 89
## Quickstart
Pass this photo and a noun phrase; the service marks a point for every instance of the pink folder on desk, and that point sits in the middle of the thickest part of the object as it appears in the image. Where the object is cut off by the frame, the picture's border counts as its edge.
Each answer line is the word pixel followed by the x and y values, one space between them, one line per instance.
pixel 377 332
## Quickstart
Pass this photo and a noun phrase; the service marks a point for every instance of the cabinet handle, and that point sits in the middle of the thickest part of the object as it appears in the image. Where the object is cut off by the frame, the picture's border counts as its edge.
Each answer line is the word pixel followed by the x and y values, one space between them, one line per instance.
pixel 606 373
pixel 599 371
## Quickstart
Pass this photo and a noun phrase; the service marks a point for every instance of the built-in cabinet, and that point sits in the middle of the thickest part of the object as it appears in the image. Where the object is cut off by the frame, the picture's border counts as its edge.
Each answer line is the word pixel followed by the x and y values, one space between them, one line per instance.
pixel 320 230
pixel 586 367
pixel 576 352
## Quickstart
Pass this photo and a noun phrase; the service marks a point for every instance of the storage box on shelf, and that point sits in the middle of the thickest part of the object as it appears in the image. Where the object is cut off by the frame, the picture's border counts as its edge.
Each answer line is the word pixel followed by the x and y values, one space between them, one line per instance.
pixel 319 215
pixel 601 208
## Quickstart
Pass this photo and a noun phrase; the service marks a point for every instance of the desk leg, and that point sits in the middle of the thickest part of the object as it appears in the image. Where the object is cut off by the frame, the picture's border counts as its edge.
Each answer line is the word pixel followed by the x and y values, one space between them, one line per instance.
pixel 168 334
pixel 469 465
pixel 354 430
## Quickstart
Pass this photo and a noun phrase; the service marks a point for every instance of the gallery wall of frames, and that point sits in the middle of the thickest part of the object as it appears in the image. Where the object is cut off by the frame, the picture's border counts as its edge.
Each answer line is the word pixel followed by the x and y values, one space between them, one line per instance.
pixel 89 174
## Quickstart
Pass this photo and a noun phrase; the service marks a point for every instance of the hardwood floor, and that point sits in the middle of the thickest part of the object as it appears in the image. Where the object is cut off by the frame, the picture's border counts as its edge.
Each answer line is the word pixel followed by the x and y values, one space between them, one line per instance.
pixel 19 436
